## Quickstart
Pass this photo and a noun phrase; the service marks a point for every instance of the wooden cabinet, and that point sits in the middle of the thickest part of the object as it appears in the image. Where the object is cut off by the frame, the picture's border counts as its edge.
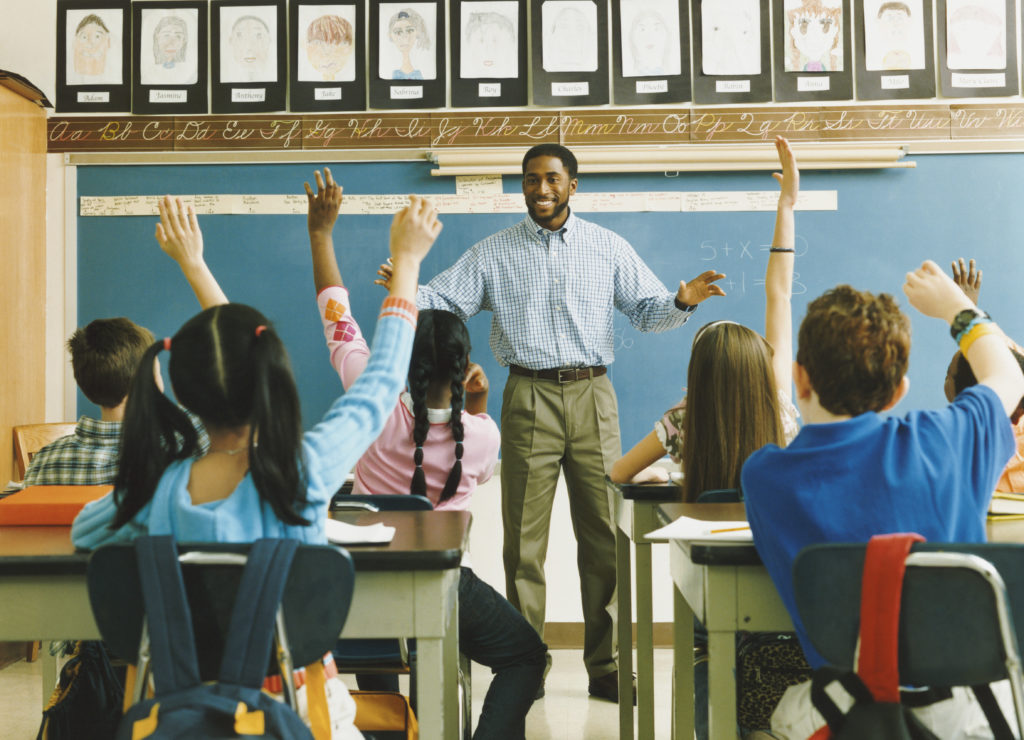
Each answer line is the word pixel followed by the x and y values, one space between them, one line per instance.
pixel 22 267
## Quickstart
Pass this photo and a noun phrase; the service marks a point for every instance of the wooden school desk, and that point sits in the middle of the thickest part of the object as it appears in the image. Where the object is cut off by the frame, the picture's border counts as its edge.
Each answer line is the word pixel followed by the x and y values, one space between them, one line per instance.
pixel 408 588
pixel 635 516
pixel 727 587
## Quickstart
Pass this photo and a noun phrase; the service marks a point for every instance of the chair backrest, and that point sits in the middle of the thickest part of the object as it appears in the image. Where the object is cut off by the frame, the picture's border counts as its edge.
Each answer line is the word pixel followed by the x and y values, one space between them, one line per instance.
pixel 316 600
pixel 720 496
pixel 380 502
pixel 950 631
pixel 30 438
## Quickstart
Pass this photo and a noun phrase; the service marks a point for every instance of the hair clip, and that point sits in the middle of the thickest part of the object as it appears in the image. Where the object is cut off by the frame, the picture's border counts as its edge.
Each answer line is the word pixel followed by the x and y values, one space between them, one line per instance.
pixel 167 343
pixel 260 329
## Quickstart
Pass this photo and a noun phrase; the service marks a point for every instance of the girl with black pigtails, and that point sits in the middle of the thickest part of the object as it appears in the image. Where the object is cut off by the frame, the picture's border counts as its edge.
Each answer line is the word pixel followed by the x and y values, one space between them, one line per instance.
pixel 262 476
pixel 440 443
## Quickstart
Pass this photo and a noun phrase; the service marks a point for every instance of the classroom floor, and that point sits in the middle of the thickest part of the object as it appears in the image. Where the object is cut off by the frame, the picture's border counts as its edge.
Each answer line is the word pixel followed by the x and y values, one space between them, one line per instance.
pixel 564 713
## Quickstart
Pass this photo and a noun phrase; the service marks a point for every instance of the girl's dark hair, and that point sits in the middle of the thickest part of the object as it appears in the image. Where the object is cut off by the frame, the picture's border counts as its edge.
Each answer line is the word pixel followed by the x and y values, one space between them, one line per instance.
pixel 228 371
pixel 439 354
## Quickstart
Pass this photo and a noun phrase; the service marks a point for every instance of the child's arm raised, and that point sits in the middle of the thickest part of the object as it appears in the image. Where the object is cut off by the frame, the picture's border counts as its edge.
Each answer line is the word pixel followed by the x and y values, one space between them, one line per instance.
pixel 968 278
pixel 323 212
pixel 179 235
pixel 778 277
pixel 934 293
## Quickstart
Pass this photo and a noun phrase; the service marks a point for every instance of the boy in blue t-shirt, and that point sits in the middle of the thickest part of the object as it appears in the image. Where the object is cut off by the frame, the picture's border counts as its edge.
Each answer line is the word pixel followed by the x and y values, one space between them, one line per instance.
pixel 851 473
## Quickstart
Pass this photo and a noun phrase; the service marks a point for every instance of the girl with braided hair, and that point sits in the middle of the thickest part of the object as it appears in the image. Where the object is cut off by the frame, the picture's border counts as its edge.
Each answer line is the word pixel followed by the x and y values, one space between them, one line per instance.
pixel 438 442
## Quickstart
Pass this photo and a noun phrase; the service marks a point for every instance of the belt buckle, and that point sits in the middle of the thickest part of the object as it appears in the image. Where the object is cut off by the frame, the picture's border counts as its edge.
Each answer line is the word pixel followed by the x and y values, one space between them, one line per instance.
pixel 568 374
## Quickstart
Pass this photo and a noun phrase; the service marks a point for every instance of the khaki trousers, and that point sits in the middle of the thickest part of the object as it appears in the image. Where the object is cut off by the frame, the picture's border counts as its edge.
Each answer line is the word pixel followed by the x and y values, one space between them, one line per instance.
pixel 547 426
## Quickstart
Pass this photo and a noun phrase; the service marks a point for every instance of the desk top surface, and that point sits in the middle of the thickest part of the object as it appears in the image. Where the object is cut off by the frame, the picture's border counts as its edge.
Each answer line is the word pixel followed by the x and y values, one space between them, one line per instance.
pixel 652 492
pixel 732 553
pixel 424 540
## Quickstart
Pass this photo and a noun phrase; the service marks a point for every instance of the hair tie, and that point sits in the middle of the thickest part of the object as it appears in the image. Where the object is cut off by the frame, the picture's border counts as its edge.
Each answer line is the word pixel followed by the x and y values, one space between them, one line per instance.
pixel 458 450
pixel 417 456
pixel 167 343
pixel 260 329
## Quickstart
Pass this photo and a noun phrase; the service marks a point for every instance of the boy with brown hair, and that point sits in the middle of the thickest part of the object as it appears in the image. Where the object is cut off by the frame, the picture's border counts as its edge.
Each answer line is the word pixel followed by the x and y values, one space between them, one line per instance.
pixel 104 355
pixel 851 473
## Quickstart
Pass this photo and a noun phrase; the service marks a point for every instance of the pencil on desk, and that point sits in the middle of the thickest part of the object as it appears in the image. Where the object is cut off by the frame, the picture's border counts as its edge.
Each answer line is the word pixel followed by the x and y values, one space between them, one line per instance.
pixel 730 529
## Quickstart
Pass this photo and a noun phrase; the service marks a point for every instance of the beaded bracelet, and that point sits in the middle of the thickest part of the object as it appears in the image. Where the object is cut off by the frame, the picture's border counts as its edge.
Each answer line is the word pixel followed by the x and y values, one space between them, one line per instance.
pixel 980 330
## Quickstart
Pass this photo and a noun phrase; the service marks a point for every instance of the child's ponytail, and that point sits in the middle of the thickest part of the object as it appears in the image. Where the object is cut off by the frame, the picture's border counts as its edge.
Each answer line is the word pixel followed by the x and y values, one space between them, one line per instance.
pixel 277 471
pixel 421 370
pixel 458 379
pixel 154 433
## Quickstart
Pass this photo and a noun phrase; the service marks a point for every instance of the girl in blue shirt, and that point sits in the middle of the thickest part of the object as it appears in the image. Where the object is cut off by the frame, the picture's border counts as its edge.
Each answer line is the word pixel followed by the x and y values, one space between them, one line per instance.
pixel 262 477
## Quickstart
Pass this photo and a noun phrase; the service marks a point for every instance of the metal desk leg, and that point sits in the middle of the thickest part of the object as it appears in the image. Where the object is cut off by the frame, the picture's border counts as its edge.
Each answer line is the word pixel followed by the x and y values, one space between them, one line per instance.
pixel 48 662
pixel 682 667
pixel 644 643
pixel 437 661
pixel 624 590
pixel 721 685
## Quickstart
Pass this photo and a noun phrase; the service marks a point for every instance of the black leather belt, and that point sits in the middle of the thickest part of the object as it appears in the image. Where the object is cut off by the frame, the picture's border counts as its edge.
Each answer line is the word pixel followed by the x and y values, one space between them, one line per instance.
pixel 561 374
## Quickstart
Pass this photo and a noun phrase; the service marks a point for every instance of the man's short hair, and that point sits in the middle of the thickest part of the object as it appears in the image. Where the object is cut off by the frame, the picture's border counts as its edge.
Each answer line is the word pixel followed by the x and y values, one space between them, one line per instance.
pixel 855 347
pixel 104 356
pixel 553 150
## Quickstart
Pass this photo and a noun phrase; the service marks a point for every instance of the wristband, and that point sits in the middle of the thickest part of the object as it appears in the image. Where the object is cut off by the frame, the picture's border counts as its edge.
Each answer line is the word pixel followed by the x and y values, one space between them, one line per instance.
pixel 685 306
pixel 782 249
pixel 976 333
pixel 967 329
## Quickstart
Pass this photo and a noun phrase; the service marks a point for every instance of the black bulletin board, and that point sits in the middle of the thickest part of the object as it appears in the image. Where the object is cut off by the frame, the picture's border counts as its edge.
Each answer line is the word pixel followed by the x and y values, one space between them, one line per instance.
pixel 978 82
pixel 388 91
pixel 567 34
pixel 638 79
pixel 330 46
pixel 170 95
pixel 731 88
pixel 258 29
pixel 809 85
pixel 897 83
pixel 479 24
pixel 101 49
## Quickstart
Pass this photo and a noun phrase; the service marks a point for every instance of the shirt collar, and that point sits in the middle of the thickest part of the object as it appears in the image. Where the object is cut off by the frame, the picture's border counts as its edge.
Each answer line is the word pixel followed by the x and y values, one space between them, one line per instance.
pixel 97 431
pixel 434 416
pixel 566 228
pixel 816 435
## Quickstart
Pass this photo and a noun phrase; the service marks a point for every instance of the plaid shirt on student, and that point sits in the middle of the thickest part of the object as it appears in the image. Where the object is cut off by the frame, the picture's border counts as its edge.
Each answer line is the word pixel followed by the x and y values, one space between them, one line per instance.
pixel 86 458
pixel 553 293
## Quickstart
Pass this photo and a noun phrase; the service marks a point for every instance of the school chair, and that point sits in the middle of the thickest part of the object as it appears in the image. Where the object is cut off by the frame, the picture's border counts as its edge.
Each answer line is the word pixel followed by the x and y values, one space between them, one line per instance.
pixel 30 438
pixel 956 615
pixel 720 496
pixel 391 656
pixel 314 606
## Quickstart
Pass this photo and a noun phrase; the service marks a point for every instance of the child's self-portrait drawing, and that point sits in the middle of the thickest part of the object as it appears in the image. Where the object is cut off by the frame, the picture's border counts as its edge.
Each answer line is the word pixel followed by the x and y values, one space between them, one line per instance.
pixel 93 46
pixel 489 40
pixel 975 34
pixel 570 36
pixel 731 37
pixel 248 43
pixel 650 38
pixel 168 44
pixel 893 35
pixel 406 42
pixel 327 40
pixel 814 35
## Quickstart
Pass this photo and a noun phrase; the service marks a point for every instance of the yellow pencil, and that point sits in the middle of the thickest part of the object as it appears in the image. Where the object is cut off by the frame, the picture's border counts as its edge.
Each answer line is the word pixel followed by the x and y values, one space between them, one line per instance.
pixel 730 529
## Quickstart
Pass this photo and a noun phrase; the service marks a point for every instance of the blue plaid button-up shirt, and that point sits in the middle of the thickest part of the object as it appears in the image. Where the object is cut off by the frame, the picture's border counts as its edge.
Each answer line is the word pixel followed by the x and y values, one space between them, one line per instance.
pixel 552 293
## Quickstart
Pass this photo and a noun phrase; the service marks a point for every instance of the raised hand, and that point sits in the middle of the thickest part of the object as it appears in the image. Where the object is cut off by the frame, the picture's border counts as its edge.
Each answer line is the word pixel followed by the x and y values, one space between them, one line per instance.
pixel 324 204
pixel 476 380
pixel 933 292
pixel 178 232
pixel 385 271
pixel 789 179
pixel 701 287
pixel 968 278
pixel 413 230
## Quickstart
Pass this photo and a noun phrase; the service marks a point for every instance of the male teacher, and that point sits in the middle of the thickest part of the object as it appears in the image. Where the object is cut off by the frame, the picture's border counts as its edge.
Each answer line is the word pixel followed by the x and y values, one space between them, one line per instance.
pixel 552 282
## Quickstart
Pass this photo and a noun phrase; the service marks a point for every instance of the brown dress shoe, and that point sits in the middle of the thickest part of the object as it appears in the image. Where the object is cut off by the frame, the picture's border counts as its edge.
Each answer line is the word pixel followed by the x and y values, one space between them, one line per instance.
pixel 607 687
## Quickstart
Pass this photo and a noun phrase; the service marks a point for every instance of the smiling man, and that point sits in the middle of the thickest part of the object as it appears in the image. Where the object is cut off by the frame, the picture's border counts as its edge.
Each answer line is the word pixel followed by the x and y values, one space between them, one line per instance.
pixel 553 282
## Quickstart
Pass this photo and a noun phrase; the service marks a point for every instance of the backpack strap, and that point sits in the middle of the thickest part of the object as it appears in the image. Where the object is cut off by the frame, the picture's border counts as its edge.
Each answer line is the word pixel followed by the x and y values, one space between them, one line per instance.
pixel 168 617
pixel 881 591
pixel 996 719
pixel 251 631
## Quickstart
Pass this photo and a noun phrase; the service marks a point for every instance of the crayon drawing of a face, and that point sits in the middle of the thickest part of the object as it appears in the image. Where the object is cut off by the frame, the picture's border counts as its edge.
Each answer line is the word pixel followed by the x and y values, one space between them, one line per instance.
pixel 815 27
pixel 250 42
pixel 170 41
pixel 90 46
pixel 329 45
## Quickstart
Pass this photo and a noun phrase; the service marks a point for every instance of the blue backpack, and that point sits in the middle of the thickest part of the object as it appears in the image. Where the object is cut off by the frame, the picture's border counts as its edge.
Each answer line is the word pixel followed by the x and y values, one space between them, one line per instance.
pixel 233 706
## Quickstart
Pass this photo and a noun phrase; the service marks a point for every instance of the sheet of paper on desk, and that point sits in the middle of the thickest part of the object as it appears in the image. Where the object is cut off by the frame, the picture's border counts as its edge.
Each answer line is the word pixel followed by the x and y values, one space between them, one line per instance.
pixel 700 530
pixel 343 533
